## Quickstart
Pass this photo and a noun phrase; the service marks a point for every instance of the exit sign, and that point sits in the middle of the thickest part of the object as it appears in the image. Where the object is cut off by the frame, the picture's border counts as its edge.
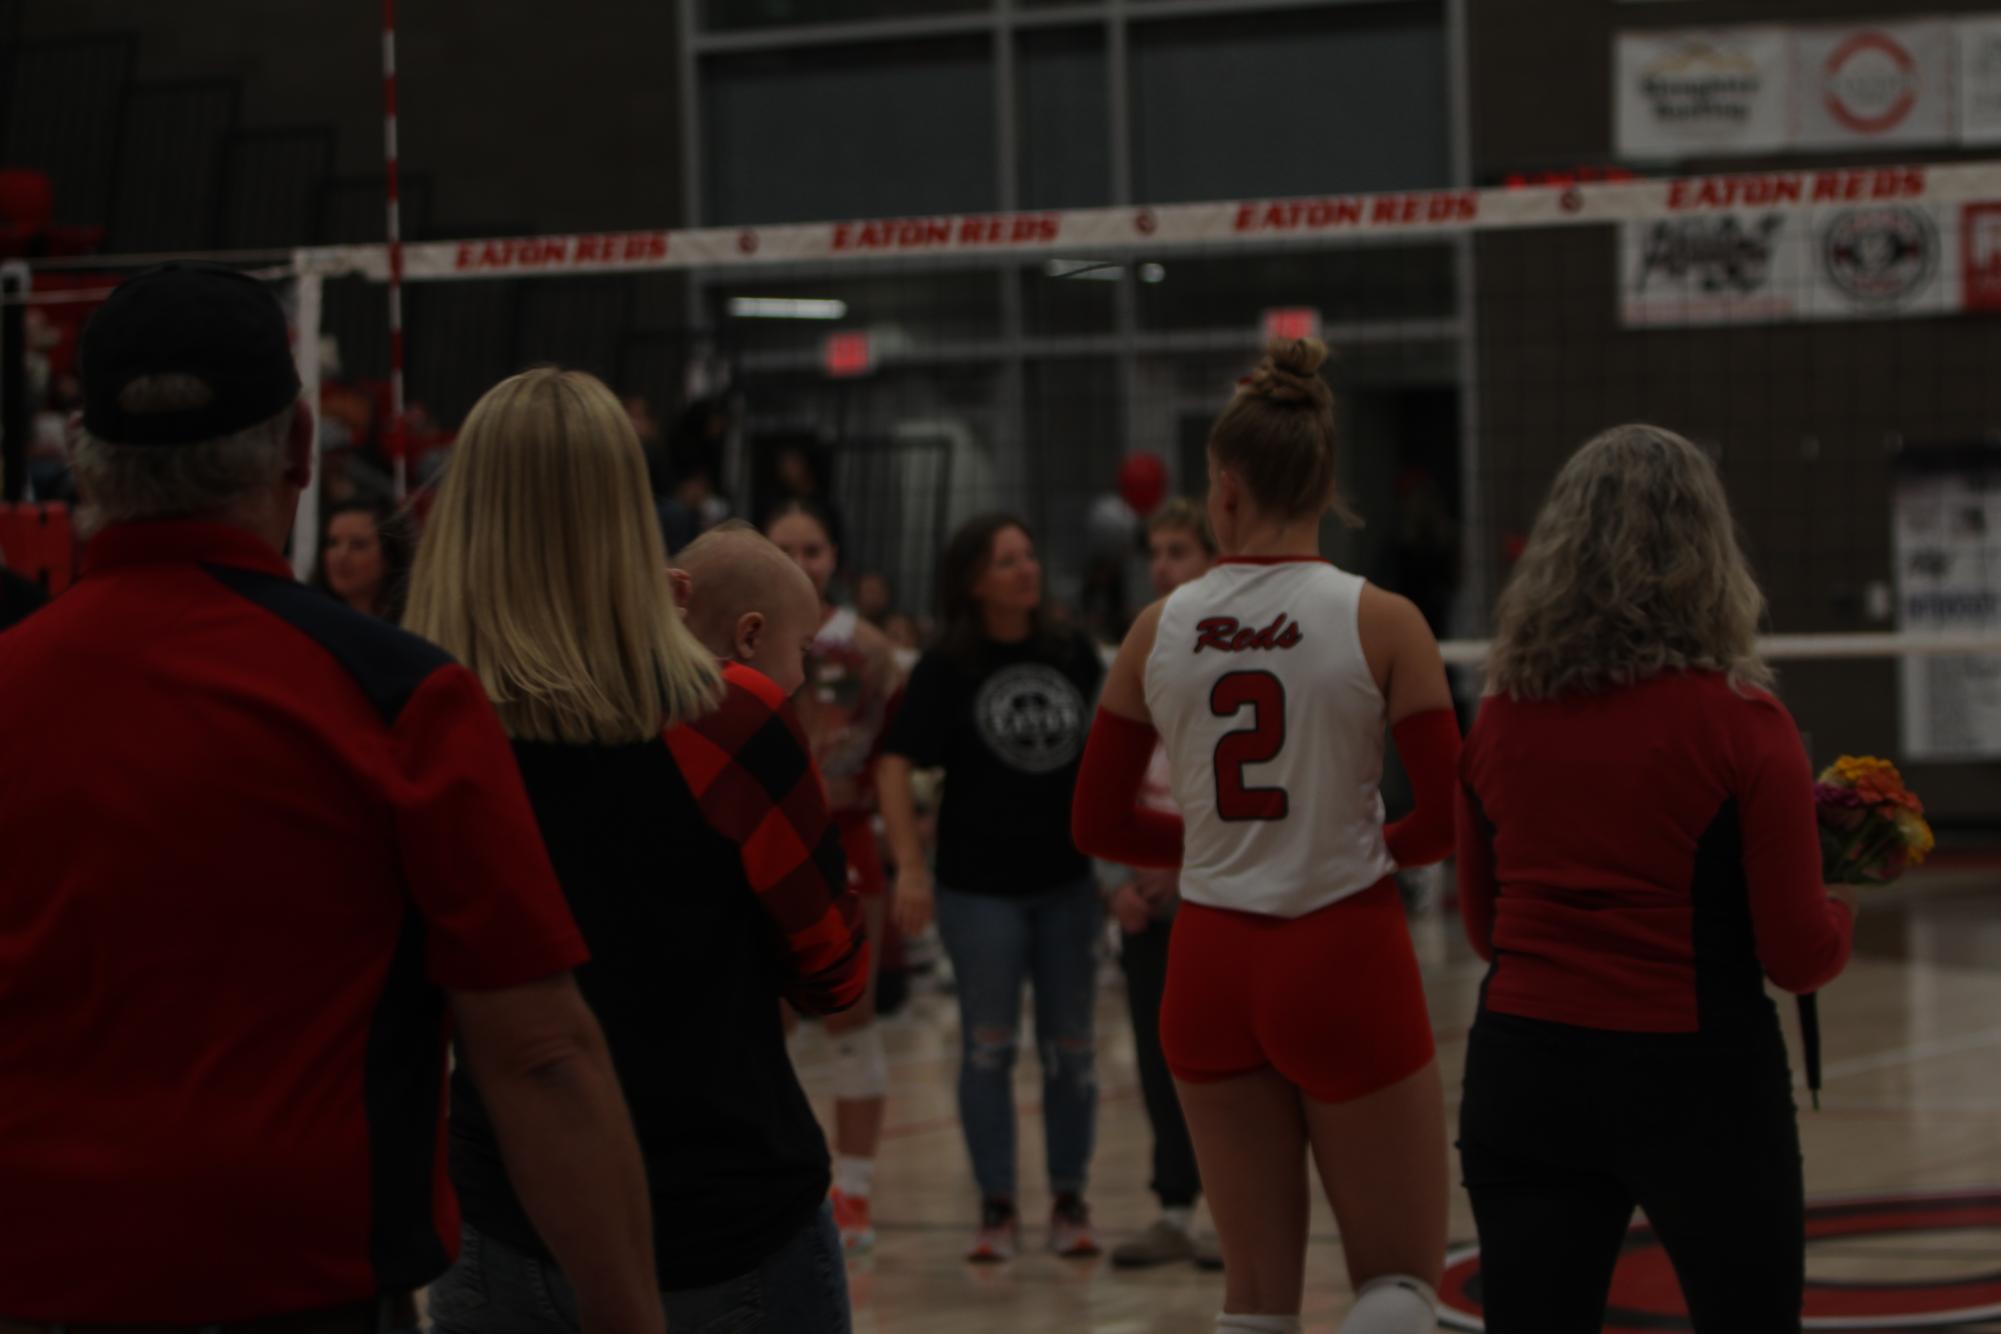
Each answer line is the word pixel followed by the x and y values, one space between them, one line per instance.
pixel 1292 322
pixel 847 354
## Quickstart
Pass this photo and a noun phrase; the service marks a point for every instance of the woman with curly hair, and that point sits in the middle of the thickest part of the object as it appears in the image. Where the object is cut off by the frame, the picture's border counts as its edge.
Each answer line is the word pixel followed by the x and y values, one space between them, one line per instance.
pixel 1637 854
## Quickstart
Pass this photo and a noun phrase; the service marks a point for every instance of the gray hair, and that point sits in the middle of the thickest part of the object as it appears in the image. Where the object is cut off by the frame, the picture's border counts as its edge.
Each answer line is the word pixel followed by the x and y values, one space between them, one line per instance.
pixel 128 483
pixel 1632 569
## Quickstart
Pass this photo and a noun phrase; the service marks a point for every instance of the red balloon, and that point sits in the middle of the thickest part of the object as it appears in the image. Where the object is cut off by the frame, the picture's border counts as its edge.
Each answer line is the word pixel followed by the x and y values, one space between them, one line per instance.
pixel 1143 482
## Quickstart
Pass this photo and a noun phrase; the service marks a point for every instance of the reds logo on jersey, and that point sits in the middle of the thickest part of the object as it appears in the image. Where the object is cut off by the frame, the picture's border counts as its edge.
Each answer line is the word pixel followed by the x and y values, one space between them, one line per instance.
pixel 1223 634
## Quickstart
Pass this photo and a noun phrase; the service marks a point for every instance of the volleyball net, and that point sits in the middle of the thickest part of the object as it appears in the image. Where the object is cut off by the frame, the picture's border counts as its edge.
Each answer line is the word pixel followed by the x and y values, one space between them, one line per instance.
pixel 1830 335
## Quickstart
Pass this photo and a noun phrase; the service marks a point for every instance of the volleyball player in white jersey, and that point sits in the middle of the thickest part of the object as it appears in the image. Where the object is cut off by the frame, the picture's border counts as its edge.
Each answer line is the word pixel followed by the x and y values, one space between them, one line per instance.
pixel 1294 1018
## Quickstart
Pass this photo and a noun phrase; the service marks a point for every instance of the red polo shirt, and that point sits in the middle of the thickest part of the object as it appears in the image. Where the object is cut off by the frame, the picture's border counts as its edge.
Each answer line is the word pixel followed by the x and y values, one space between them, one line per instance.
pixel 247 839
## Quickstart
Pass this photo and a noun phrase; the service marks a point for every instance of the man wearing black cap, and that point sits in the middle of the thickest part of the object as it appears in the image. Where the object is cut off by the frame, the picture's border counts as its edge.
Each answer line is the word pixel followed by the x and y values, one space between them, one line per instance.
pixel 256 853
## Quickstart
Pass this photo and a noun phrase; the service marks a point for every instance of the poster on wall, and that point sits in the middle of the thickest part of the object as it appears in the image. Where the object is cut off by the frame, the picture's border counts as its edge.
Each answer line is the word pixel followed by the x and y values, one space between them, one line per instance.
pixel 1883 83
pixel 1874 261
pixel 1946 541
pixel 1880 261
pixel 1700 93
pixel 1726 268
pixel 1978 42
pixel 1980 256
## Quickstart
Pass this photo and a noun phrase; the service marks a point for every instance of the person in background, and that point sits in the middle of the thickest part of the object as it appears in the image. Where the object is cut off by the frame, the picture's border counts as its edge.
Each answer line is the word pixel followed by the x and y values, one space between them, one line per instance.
pixel 365 557
pixel 874 600
pixel 1179 550
pixel 1295 1019
pixel 1638 853
pixel 902 632
pixel 693 502
pixel 1000 704
pixel 851 680
pixel 798 471
pixel 296 838
pixel 18 596
pixel 681 808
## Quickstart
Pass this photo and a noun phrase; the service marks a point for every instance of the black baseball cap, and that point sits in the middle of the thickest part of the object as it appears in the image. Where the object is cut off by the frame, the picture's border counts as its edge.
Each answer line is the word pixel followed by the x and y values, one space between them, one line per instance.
pixel 219 326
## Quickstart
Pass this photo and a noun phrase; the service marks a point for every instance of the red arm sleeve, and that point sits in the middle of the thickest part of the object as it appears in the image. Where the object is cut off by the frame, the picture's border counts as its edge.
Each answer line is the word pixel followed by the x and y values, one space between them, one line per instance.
pixel 1106 819
pixel 752 772
pixel 1428 742
pixel 471 850
pixel 1475 857
pixel 1803 936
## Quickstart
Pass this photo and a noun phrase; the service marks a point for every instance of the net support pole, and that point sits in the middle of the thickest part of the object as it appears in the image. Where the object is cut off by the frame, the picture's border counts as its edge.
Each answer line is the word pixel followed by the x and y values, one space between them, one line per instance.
pixel 397 439
pixel 15 417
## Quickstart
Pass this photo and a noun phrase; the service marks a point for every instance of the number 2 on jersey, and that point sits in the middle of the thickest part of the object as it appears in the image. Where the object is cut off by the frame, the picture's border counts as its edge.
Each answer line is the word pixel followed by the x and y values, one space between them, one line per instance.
pixel 1256 744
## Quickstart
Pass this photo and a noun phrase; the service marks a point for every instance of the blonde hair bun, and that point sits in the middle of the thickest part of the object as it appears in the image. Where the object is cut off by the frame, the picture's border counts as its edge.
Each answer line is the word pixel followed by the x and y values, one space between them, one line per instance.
pixel 1290 372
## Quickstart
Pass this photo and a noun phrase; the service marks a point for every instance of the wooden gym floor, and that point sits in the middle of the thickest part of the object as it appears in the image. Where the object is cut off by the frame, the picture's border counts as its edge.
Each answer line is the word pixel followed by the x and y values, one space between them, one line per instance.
pixel 1912 1035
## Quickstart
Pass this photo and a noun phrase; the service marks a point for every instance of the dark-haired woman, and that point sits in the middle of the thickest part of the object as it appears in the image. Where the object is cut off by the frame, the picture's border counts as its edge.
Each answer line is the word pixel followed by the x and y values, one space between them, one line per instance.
pixel 1294 1020
pixel 365 558
pixel 1001 704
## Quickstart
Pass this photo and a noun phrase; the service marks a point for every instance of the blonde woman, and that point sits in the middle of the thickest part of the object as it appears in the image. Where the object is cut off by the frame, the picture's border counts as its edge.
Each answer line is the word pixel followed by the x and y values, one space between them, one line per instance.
pixel 1637 854
pixel 659 781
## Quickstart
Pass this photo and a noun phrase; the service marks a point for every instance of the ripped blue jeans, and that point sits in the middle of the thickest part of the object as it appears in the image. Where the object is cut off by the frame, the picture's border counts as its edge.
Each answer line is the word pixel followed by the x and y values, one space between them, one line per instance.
pixel 997 943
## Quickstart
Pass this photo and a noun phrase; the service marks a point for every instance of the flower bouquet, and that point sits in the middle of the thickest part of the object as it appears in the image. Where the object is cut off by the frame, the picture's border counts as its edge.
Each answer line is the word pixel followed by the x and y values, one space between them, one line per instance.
pixel 1872 827
pixel 1872 830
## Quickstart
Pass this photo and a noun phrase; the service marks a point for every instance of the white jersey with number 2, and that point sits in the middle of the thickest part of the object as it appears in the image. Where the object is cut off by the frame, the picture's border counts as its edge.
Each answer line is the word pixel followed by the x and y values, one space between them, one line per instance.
pixel 1274 728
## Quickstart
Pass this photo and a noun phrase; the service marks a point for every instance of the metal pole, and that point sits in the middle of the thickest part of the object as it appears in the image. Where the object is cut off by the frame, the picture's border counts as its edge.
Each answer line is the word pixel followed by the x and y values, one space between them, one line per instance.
pixel 398 443
pixel 1477 551
pixel 15 416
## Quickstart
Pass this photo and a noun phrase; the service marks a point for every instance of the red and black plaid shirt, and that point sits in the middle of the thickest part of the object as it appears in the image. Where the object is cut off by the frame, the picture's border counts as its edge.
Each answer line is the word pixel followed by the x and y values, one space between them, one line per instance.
pixel 752 774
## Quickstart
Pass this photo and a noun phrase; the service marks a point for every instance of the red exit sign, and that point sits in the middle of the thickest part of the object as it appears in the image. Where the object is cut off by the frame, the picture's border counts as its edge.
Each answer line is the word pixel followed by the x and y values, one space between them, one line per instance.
pixel 844 355
pixel 1292 322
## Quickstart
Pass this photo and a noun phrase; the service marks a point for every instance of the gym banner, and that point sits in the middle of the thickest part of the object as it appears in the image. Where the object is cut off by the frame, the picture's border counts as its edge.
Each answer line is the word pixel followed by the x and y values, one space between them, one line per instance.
pixel 1701 93
pixel 1894 259
pixel 1872 85
pixel 1978 66
pixel 1891 82
pixel 1946 541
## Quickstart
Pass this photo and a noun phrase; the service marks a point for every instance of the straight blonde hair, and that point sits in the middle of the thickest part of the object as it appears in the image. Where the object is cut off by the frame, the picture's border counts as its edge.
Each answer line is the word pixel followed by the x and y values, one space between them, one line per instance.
pixel 1632 569
pixel 542 569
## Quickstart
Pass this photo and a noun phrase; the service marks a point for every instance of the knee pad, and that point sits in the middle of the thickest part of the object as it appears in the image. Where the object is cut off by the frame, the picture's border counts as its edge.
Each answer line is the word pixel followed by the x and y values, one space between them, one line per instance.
pixel 861 1068
pixel 1258 1324
pixel 1393 1304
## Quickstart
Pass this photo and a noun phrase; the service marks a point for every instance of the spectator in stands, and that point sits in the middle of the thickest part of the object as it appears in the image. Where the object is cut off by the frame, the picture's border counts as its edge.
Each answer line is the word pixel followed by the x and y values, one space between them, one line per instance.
pixel 1001 704
pixel 1638 853
pixel 18 596
pixel 365 557
pixel 244 1129
pixel 688 828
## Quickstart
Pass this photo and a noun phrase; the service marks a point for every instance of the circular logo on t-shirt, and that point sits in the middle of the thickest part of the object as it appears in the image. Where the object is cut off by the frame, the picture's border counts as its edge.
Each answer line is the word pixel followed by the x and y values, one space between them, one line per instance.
pixel 1031 716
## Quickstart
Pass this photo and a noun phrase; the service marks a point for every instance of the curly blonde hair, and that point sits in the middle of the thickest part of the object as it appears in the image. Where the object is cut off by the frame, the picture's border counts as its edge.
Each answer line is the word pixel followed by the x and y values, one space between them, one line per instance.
pixel 1632 569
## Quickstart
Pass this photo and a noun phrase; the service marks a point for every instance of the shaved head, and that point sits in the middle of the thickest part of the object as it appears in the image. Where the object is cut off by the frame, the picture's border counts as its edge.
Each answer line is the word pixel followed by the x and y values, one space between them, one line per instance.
pixel 748 601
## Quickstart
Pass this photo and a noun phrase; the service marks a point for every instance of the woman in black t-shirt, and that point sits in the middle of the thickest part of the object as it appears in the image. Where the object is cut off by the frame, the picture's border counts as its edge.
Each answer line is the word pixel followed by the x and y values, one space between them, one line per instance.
pixel 1002 704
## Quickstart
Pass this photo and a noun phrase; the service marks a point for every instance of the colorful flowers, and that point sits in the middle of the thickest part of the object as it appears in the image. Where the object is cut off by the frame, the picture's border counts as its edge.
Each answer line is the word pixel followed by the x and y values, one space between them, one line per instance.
pixel 1872 827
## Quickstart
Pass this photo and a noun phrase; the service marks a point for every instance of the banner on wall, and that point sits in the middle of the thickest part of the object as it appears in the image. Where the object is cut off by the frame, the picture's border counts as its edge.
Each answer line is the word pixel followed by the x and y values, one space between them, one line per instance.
pixel 1874 261
pixel 1714 269
pixel 1883 83
pixel 1978 66
pixel 1946 541
pixel 1701 92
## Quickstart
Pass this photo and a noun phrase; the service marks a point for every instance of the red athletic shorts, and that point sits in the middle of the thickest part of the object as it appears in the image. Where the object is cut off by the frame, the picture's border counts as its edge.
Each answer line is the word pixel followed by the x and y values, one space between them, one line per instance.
pixel 1332 1001
pixel 864 855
